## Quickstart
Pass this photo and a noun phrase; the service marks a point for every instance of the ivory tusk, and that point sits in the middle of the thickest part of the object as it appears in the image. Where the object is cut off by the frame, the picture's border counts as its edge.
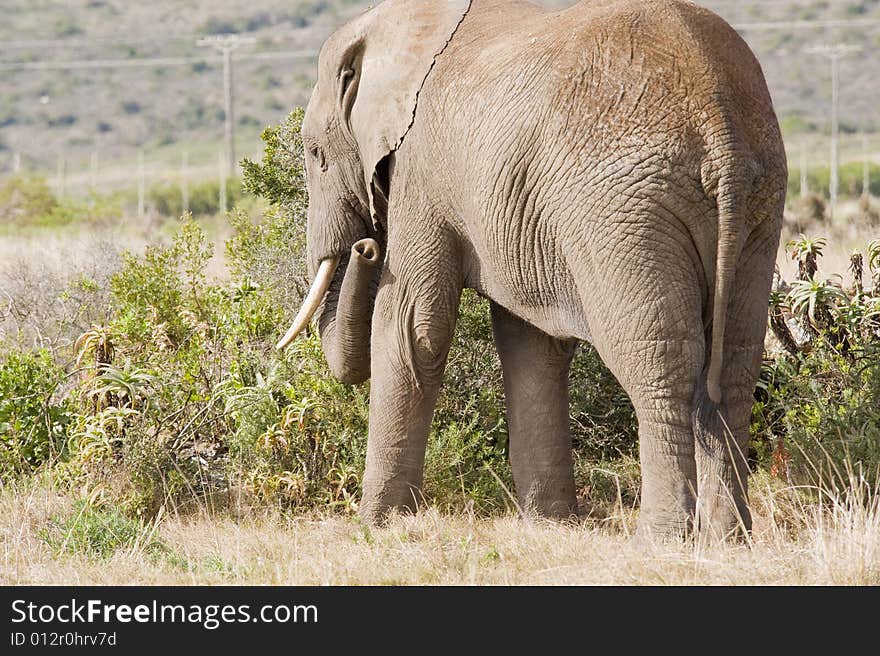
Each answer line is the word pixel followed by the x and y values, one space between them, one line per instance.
pixel 312 301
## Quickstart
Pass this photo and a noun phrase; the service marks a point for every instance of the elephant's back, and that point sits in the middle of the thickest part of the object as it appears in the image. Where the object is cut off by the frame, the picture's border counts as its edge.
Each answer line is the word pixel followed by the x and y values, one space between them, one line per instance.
pixel 661 71
pixel 606 92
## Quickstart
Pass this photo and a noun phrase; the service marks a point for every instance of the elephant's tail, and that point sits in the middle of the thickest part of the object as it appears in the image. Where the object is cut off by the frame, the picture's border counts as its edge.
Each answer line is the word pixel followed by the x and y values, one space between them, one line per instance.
pixel 729 201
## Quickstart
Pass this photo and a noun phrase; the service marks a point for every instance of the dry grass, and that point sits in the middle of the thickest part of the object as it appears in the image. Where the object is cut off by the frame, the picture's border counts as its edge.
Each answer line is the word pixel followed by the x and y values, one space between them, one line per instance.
pixel 792 544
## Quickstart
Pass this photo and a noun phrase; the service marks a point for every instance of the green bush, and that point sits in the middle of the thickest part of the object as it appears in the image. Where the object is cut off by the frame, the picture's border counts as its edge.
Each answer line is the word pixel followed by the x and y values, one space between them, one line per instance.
pixel 29 201
pixel 280 176
pixel 204 197
pixel 32 421
pixel 98 532
pixel 25 199
pixel 817 415
pixel 851 180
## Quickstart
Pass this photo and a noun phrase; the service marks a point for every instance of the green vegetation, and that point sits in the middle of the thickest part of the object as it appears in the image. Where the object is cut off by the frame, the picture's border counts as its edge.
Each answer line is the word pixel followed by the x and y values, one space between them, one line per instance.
pixel 851 176
pixel 96 531
pixel 204 198
pixel 818 411
pixel 29 201
pixel 32 422
pixel 176 398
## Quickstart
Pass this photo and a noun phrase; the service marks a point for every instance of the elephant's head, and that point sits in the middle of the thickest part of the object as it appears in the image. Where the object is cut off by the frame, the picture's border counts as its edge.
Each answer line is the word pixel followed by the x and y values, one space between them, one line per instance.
pixel 370 74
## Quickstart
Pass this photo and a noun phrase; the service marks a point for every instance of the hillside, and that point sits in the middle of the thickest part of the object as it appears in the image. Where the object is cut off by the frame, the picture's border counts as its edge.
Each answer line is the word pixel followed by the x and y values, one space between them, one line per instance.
pixel 102 115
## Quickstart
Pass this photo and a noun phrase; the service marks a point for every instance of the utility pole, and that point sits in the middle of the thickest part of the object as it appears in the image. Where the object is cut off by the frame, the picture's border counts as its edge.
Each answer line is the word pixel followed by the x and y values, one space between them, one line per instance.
pixel 184 182
pixel 222 197
pixel 835 53
pixel 61 177
pixel 803 169
pixel 866 168
pixel 93 170
pixel 226 44
pixel 142 186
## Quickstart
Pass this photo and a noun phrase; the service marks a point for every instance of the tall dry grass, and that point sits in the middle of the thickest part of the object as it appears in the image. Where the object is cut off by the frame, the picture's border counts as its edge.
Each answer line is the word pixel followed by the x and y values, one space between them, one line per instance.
pixel 835 541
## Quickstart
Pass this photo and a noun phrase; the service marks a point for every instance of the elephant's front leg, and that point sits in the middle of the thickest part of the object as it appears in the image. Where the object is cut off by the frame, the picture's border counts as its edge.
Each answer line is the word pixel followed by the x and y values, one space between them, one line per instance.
pixel 536 368
pixel 413 321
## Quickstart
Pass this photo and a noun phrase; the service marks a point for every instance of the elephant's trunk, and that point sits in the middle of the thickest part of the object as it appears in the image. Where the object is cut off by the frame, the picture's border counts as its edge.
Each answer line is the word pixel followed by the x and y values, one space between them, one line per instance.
pixel 348 311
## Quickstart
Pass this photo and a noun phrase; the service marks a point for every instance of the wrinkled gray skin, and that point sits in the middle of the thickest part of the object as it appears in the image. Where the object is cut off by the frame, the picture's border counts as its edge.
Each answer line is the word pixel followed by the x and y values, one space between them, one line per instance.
pixel 612 172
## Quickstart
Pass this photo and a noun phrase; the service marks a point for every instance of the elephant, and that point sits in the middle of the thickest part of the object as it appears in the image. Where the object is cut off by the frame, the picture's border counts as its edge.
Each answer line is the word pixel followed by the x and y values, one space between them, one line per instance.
pixel 612 172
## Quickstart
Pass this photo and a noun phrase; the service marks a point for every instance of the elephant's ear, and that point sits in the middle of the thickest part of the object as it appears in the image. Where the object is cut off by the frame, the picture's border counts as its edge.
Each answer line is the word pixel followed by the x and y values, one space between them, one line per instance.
pixel 387 63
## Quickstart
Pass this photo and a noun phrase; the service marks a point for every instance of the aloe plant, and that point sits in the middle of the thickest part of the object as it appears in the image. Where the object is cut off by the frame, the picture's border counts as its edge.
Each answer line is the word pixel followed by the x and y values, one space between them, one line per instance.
pixel 816 299
pixel 806 251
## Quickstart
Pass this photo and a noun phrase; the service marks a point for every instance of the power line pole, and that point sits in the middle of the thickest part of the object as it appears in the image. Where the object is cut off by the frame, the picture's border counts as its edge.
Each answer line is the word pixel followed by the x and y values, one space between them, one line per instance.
pixel 142 186
pixel 222 193
pixel 835 53
pixel 93 170
pixel 803 169
pixel 226 44
pixel 184 182
pixel 61 178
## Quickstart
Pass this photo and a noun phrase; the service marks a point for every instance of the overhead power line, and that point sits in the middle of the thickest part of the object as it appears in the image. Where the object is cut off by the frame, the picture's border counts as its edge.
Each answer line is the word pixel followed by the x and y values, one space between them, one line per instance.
pixel 807 24
pixel 24 44
pixel 99 40
pixel 148 62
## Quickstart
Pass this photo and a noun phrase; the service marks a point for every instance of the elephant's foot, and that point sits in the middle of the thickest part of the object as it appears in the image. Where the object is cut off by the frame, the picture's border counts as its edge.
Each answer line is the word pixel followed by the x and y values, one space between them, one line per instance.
pixel 382 498
pixel 721 444
pixel 653 529
pixel 722 514
pixel 376 513
pixel 668 496
pixel 550 498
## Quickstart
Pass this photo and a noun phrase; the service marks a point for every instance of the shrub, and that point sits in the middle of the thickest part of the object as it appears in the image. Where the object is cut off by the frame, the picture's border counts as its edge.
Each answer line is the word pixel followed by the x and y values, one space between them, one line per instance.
pixel 28 201
pixel 280 176
pixel 204 197
pixel 816 417
pixel 25 199
pixel 817 414
pixel 32 421
pixel 850 180
pixel 96 531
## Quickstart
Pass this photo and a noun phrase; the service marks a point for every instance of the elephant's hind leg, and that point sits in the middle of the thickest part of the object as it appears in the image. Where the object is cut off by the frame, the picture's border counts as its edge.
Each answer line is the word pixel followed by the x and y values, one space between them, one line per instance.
pixel 536 368
pixel 646 317
pixel 722 432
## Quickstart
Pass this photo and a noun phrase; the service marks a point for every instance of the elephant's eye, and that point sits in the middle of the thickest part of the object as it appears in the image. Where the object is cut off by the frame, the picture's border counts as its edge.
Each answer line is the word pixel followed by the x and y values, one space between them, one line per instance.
pixel 318 156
